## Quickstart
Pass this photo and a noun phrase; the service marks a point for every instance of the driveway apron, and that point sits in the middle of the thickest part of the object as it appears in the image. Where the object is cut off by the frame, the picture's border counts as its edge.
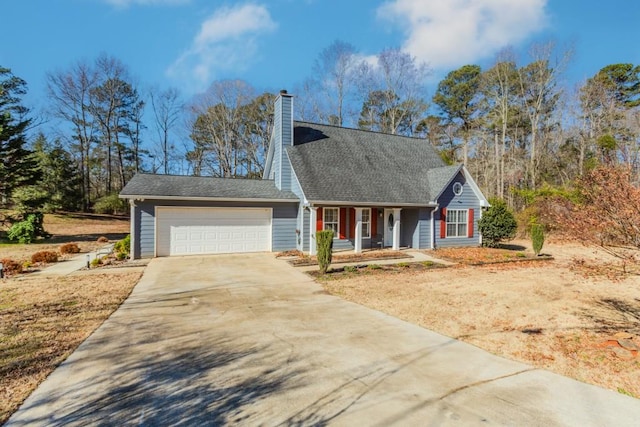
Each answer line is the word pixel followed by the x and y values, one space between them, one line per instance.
pixel 249 340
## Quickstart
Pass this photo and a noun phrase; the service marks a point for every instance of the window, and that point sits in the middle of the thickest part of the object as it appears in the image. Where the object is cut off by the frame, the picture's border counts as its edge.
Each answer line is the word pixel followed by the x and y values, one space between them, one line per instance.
pixel 457 188
pixel 366 223
pixel 457 222
pixel 332 220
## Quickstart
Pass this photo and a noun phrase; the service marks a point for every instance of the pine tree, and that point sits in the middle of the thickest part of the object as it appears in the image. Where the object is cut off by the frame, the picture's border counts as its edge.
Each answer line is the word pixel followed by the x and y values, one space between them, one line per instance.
pixel 18 166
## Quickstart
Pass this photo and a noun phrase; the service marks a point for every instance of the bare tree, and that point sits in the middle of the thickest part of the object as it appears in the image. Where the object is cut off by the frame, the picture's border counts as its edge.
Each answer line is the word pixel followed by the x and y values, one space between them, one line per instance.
pixel 394 92
pixel 333 82
pixel 70 95
pixel 167 109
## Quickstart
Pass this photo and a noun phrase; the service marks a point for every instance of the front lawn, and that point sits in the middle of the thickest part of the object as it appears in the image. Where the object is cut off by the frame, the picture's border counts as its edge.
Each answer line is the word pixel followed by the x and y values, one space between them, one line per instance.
pixel 548 314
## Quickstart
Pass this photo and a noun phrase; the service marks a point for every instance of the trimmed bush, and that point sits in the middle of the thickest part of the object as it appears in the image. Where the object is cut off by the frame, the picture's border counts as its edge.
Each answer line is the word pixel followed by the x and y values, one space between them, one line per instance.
pixel 324 241
pixel 47 257
pixel 69 248
pixel 103 239
pixel 497 224
pixel 537 238
pixel 10 267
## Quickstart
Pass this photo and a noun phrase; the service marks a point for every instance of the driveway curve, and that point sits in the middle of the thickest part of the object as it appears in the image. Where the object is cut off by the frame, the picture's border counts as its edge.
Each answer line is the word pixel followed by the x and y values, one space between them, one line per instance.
pixel 249 340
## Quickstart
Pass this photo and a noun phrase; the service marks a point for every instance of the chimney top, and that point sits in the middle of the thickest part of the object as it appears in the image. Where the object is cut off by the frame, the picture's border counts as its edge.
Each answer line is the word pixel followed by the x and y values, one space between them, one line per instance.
pixel 283 91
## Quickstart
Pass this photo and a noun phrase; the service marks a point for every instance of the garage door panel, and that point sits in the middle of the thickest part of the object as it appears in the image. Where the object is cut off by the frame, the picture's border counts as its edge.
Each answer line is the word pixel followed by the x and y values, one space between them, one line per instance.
pixel 191 231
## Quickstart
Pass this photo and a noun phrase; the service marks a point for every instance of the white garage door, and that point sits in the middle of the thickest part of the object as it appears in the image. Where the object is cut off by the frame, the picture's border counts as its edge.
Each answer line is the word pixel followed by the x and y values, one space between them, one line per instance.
pixel 197 231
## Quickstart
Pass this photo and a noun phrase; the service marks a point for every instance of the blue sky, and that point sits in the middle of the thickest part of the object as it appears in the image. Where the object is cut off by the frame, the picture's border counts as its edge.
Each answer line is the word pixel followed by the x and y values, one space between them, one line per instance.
pixel 272 43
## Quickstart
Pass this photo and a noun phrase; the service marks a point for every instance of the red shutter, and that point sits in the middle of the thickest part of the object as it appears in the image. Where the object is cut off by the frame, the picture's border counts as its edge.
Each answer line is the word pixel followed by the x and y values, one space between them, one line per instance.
pixel 343 223
pixel 374 222
pixel 470 223
pixel 319 220
pixel 352 223
pixel 443 223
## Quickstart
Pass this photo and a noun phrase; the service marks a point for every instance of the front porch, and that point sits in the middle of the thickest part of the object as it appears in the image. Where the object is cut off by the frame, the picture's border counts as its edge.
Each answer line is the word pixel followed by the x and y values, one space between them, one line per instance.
pixel 359 228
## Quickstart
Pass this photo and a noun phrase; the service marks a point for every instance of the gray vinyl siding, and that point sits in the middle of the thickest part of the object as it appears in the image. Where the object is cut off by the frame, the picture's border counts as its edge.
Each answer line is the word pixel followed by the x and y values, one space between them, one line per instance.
pixel 408 226
pixel 283 124
pixel 467 200
pixel 283 222
pixel 425 228
pixel 145 240
pixel 283 227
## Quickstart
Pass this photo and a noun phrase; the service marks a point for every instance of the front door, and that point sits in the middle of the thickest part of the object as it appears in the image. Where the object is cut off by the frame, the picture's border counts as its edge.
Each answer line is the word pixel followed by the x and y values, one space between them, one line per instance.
pixel 388 227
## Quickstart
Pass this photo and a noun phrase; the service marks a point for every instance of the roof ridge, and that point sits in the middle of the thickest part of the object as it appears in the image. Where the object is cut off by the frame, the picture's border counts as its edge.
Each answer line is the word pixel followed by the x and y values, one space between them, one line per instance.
pixel 416 138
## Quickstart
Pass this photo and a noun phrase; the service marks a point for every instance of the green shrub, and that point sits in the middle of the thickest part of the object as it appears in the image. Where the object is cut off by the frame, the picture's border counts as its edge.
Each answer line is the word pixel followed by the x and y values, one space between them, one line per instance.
pixel 111 204
pixel 428 263
pixel 521 255
pixel 46 257
pixel 123 246
pixel 96 262
pixel 537 238
pixel 324 241
pixel 350 269
pixel 121 256
pixel 497 224
pixel 27 230
pixel 403 264
pixel 69 248
pixel 375 266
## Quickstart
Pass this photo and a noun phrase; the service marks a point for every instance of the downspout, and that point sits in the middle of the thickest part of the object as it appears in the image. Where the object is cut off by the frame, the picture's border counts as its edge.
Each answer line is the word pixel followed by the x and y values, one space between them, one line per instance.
pixel 132 230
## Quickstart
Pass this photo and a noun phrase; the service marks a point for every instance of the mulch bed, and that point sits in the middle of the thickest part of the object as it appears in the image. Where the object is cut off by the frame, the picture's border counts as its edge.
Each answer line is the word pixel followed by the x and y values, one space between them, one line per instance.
pixel 485 256
pixel 372 268
pixel 305 261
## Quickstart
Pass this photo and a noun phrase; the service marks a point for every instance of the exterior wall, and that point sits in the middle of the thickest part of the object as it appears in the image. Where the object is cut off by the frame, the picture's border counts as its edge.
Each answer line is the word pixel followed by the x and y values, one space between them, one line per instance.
pixel 424 229
pixel 283 227
pixel 283 222
pixel 467 200
pixel 408 227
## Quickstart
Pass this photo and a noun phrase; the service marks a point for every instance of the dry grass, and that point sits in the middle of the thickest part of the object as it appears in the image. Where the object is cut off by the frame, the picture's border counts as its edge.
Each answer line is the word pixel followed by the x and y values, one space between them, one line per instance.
pixel 43 319
pixel 82 229
pixel 546 314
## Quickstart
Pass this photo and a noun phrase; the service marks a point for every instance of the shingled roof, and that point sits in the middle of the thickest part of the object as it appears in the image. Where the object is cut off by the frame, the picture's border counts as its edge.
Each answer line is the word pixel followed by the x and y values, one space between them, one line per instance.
pixel 199 187
pixel 351 165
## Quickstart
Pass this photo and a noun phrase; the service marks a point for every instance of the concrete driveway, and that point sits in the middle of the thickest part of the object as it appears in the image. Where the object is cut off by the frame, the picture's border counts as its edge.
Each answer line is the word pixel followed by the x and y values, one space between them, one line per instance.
pixel 249 340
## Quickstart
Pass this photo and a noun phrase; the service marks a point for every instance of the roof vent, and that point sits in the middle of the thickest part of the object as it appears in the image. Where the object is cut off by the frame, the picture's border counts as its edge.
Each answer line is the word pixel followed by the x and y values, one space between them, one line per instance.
pixel 283 91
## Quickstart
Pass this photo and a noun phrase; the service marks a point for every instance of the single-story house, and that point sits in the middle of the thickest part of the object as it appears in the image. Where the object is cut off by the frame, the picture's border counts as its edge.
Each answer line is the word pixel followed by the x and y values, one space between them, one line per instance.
pixel 372 189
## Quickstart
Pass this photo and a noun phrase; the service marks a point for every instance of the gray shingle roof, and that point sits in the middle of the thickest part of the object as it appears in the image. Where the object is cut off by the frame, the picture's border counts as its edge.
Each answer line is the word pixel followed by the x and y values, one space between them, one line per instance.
pixel 174 186
pixel 351 165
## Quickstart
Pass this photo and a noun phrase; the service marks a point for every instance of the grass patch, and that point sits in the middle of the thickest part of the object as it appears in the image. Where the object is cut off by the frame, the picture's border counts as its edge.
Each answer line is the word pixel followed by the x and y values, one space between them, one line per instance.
pixel 42 320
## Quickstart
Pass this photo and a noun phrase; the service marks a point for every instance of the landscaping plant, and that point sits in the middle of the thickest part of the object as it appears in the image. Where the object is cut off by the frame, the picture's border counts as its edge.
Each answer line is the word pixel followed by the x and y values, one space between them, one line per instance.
pixel 123 246
pixel 70 248
pixel 324 241
pixel 537 238
pixel 497 224
pixel 44 257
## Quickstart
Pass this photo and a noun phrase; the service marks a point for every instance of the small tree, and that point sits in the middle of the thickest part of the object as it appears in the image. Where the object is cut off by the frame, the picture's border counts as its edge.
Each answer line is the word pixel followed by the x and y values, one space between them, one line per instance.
pixel 497 224
pixel 537 238
pixel 607 212
pixel 325 249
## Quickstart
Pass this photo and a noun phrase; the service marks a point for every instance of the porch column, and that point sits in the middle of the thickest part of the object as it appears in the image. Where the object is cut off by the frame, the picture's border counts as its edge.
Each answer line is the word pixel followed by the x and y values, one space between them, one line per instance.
pixel 358 228
pixel 313 218
pixel 396 229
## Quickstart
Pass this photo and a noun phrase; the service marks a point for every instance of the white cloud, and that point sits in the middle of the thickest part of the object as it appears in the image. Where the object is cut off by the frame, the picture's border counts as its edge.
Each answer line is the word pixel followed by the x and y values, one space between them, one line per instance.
pixel 227 41
pixel 126 3
pixel 451 33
